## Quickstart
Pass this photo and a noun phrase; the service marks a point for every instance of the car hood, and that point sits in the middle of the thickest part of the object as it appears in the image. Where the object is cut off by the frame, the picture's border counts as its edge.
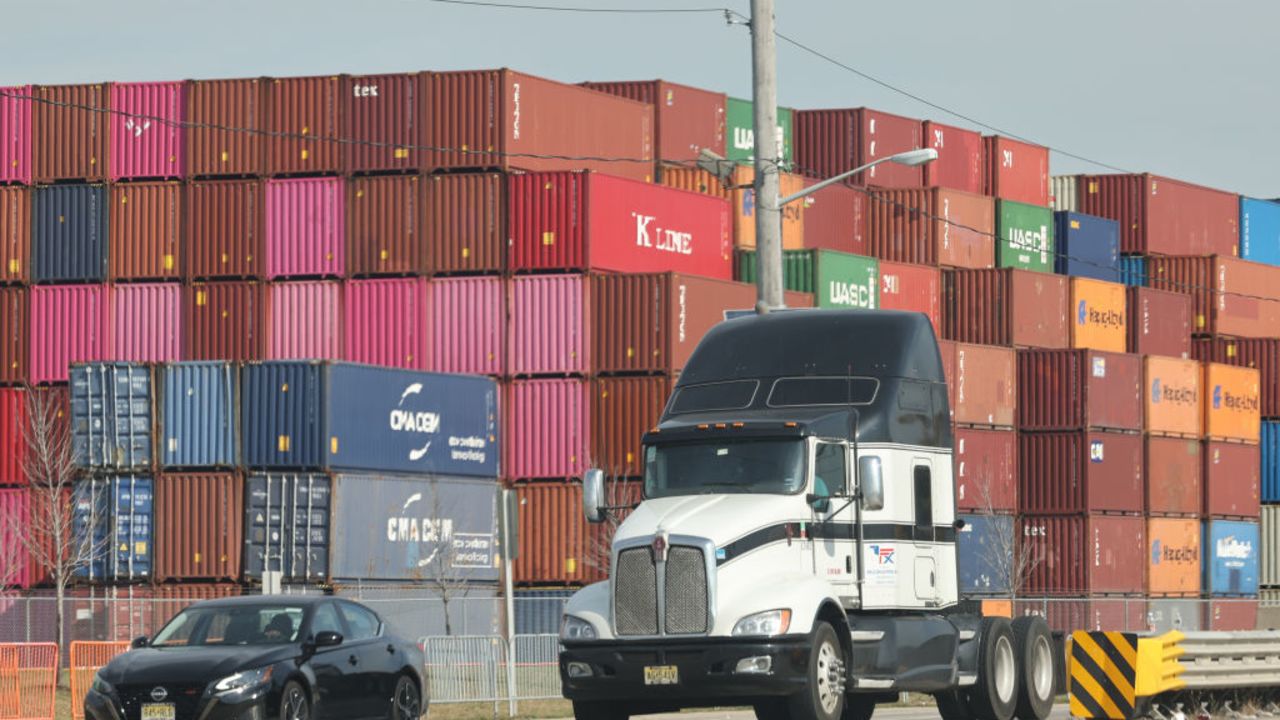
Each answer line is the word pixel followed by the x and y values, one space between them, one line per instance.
pixel 191 665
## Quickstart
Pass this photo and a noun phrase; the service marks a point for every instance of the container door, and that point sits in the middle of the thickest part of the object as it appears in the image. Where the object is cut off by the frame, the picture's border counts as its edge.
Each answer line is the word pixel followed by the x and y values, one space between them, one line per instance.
pixel 834 532
pixel 926 568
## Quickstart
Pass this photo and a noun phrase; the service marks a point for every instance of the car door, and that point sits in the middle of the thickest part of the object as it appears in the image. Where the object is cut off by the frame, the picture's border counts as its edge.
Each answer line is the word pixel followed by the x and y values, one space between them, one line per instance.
pixel 926 569
pixel 330 665
pixel 371 673
pixel 835 542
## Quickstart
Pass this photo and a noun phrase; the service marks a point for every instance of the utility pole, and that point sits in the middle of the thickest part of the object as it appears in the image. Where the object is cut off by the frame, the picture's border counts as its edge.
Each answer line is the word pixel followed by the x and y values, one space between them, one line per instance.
pixel 764 95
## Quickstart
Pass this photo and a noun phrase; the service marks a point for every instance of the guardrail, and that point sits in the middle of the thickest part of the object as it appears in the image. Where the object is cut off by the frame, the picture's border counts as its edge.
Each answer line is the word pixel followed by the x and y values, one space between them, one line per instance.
pixel 1227 660
pixel 28 680
pixel 86 658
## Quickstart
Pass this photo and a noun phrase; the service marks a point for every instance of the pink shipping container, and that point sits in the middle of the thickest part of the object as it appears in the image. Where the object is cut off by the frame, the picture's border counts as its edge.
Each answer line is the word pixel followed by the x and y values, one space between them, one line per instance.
pixel 15 134
pixel 466 325
pixel 546 426
pixel 146 130
pixel 829 142
pixel 1016 170
pixel 959 163
pixel 15 504
pixel 66 327
pixel 305 228
pixel 13 418
pixel 144 322
pixel 304 321
pixel 548 331
pixel 386 322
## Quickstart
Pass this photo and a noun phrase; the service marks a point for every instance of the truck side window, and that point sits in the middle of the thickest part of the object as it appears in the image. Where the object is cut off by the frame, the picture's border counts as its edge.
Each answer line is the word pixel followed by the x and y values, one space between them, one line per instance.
pixel 924 503
pixel 829 470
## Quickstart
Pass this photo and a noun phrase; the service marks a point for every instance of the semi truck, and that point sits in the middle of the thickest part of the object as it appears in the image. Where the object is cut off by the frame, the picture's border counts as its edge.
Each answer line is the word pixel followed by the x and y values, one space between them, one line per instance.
pixel 795 548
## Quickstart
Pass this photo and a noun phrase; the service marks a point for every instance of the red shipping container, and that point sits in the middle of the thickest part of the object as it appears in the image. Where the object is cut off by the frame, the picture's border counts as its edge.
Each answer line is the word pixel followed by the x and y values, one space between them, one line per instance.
pixel 145 225
pixel 1262 354
pixel 13 436
pixel 1232 480
pixel 623 409
pixel 1229 296
pixel 1079 389
pixel 933 226
pixel 590 221
pixel 466 325
pixel 557 545
pixel 1084 554
pixel 959 163
pixel 383 122
pixel 386 322
pixel 831 142
pixel 304 115
pixel 981 383
pixel 69 135
pixel 548 330
pixel 466 223
pixel 1100 614
pixel 204 545
pixel 1231 615
pixel 304 321
pixel 17 566
pixel 147 130
pixel 986 470
pixel 835 218
pixel 1161 216
pixel 1159 322
pixel 506 120
pixel 384 217
pixel 66 327
pixel 15 134
pixel 305 228
pixel 224 321
pixel 226 119
pixel 915 288
pixel 225 229
pixel 1014 170
pixel 686 119
pixel 1068 473
pixel 1007 307
pixel 547 429
pixel 14 337
pixel 15 234
pixel 144 322
pixel 1175 476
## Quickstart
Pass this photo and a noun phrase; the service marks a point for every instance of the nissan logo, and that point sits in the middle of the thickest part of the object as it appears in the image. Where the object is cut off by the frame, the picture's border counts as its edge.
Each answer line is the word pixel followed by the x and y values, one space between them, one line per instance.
pixel 159 693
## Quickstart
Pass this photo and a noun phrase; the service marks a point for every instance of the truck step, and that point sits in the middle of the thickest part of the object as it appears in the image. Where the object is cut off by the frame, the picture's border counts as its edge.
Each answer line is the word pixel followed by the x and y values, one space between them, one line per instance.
pixel 967 679
pixel 867 635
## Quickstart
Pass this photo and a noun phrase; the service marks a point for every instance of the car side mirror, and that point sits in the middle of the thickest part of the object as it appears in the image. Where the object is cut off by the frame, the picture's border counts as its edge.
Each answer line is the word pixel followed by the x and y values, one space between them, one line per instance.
pixel 139 642
pixel 593 495
pixel 327 638
pixel 871 483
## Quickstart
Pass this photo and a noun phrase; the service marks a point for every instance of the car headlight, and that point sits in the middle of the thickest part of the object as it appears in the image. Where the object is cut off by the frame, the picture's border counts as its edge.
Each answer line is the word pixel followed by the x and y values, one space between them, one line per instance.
pixel 575 628
pixel 769 622
pixel 101 686
pixel 244 680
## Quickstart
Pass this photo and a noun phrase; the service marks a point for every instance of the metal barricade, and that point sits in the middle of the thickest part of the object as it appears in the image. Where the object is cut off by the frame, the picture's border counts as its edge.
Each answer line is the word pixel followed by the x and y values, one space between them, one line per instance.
pixel 28 680
pixel 85 660
pixel 537 659
pixel 465 668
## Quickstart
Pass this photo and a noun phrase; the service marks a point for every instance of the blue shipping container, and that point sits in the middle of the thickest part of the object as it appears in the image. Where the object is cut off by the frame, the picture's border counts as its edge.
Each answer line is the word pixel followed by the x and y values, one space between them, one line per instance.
pixel 1087 246
pixel 1231 557
pixel 111 415
pixel 984 548
pixel 286 526
pixel 1260 231
pixel 198 414
pixel 111 521
pixel 69 234
pixel 1270 461
pixel 342 416
pixel 538 612
pixel 1133 270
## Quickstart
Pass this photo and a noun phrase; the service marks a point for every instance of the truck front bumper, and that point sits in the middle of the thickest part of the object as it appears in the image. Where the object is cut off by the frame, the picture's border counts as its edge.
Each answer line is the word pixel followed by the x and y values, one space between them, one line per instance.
pixel 708 670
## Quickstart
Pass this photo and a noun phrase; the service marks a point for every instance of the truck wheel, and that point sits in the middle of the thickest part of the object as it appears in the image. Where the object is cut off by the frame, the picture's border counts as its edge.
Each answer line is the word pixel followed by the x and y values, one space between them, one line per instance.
pixel 857 707
pixel 772 709
pixel 995 696
pixel 597 710
pixel 823 695
pixel 1034 649
pixel 952 705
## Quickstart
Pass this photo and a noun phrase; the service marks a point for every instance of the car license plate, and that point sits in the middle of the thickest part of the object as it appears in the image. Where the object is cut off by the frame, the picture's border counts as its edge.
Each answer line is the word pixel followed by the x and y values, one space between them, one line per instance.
pixel 158 711
pixel 661 675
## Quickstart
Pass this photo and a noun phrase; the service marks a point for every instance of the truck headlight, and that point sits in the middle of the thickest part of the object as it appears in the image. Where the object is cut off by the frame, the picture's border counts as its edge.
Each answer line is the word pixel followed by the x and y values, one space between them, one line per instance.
pixel 575 628
pixel 769 622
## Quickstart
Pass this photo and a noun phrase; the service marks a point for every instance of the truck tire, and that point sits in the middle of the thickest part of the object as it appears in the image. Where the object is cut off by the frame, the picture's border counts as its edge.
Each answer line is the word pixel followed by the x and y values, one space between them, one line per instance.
pixel 858 707
pixel 995 696
pixel 823 696
pixel 1034 648
pixel 598 710
pixel 953 705
pixel 772 709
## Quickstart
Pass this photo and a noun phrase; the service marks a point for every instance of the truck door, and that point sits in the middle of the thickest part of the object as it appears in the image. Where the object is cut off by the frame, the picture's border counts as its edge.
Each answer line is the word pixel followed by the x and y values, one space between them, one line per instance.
pixel 926 567
pixel 834 544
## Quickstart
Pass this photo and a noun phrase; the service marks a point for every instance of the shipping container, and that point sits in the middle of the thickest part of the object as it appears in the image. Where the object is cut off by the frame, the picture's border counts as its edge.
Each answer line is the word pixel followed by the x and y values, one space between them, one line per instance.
pixel 1232 482
pixel 144 322
pixel 69 234
pixel 1064 194
pixel 1161 216
pixel 1231 615
pixel 740 133
pixel 1261 354
pixel 505 120
pixel 623 409
pixel 1174 397
pixel 1086 246
pixel 20 570
pixel 1103 613
pixel 1173 557
pixel 386 322
pixel 548 429
pixel 67 326
pixel 959 162
pixel 359 417
pixel 1025 235
pixel 1232 408
pixel 224 321
pixel 383 123
pixel 540 611
pixel 1006 307
pixel 466 326
pixel 286 526
pixel 1269 570
pixel 914 288
pixel 112 416
pixel 1175 476
pixel 549 330
pixel 227 124
pixel 581 221
pixel 303 321
pixel 557 545
pixel 741 196
pixel 985 555
pixel 383 216
pixel 15 233
pixel 145 220
pixel 1230 296
pixel 932 226
pixel 111 524
pixel 1079 389
pixel 1014 170
pixel 981 383
pixel 69 135
pixel 1159 323
pixel 304 122
pixel 836 279
pixel 14 336
pixel 198 415
pixel 13 436
pixel 147 130
pixel 466 223
pixel 1081 472
pixel 15 134
pixel 1231 549
pixel 203 544
pixel 305 228
pixel 1133 270
pixel 686 119
pixel 1168 614
pixel 830 142
pixel 1101 310
pixel 835 218
pixel 1270 461
pixel 225 229
pixel 1260 231
pixel 986 469
pixel 1077 555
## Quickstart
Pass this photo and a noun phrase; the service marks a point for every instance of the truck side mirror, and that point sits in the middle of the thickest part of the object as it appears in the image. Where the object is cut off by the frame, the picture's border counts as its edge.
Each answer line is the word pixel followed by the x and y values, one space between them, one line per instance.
pixel 871 483
pixel 593 495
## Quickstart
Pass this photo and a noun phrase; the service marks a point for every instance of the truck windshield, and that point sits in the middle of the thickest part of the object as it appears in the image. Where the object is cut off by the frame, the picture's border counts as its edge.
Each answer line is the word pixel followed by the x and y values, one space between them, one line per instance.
pixel 724 466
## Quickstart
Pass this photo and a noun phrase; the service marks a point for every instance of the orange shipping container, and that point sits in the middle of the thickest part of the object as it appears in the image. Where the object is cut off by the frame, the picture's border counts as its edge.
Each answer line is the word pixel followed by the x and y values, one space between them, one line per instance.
pixel 932 226
pixel 983 390
pixel 743 199
pixel 622 410
pixel 145 223
pixel 15 234
pixel 1173 393
pixel 1173 557
pixel 1101 317
pixel 1232 410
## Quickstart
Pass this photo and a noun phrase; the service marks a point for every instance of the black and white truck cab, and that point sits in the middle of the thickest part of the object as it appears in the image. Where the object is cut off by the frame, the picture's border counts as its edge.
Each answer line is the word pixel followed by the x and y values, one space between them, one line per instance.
pixel 795 549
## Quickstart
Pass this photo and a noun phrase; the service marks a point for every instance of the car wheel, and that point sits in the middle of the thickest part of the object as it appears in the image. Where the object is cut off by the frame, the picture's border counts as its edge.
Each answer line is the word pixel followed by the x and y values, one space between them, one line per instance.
pixel 405 704
pixel 1035 655
pixel 823 695
pixel 598 710
pixel 995 696
pixel 294 704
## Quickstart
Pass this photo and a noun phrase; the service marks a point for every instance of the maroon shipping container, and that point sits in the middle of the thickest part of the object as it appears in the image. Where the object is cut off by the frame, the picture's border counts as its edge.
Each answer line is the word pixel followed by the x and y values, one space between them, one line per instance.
pixel 835 218
pixel 959 163
pixel 1160 216
pixel 13 436
pixel 1006 307
pixel 15 234
pixel 623 409
pixel 1229 296
pixel 557 545
pixel 1175 475
pixel 305 115
pixel 382 122
pixel 986 470
pixel 203 544
pixel 225 221
pixel 1079 389
pixel 686 119
pixel 226 119
pixel 1084 554
pixel 466 223
pixel 145 225
pixel 69 138
pixel 830 142
pixel 1066 473
pixel 1232 480
pixel 506 120
pixel 1114 614
pixel 224 321
pixel 914 288
pixel 14 337
pixel 932 226
pixel 1014 170
pixel 981 383
pixel 1262 354
pixel 1230 614
pixel 383 234
pixel 1159 322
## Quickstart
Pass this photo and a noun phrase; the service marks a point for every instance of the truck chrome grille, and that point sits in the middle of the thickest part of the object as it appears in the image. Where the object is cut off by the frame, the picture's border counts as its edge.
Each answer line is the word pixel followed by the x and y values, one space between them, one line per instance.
pixel 686 591
pixel 635 583
pixel 684 609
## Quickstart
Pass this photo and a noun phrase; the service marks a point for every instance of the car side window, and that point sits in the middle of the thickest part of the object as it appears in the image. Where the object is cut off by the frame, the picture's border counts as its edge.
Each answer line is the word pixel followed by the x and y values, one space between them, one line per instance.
pixel 829 470
pixel 363 623
pixel 325 619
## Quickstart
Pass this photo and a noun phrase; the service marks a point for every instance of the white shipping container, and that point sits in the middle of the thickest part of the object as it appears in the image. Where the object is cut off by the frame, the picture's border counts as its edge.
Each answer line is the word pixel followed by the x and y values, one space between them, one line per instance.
pixel 1063 194
pixel 1269 573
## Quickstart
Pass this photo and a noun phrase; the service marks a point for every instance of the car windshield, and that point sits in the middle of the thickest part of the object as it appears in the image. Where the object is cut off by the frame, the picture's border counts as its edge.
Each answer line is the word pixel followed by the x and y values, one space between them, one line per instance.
pixel 724 466
pixel 232 625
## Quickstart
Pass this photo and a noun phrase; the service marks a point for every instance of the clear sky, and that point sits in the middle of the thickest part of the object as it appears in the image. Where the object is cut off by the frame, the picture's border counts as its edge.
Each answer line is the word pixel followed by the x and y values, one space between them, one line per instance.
pixel 1185 88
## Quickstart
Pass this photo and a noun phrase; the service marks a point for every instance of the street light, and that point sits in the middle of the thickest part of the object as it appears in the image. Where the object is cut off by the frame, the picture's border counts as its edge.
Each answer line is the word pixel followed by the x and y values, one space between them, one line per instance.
pixel 910 158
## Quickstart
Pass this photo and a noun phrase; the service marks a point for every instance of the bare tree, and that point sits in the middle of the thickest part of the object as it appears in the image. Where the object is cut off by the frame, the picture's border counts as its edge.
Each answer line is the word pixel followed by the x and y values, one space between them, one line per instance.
pixel 449 566
pixel 13 564
pixel 620 495
pixel 1012 561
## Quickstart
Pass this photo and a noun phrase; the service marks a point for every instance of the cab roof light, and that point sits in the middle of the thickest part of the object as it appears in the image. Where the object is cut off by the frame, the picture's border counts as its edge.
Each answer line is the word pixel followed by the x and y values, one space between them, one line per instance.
pixel 790 424
pixel 704 426
pixel 720 426
pixel 739 425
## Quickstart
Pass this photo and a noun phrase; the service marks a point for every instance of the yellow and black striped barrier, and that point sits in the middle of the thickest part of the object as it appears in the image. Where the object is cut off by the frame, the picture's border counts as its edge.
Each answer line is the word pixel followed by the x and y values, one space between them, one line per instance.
pixel 1103 677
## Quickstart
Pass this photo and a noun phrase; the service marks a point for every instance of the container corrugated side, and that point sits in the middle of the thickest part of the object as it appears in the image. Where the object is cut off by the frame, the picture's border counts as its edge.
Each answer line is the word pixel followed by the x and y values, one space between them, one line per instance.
pixel 1232 409
pixel 15 134
pixel 1014 170
pixel 1073 473
pixel 1101 315
pixel 198 415
pixel 225 229
pixel 69 133
pixel 1006 307
pixel 303 320
pixel 836 218
pixel 540 611
pixel 304 117
pixel 386 322
pixel 1078 389
pixel 147 130
pixel 686 119
pixel 112 520
pixel 959 163
pixel 383 122
pixel 1231 296
pixel 1175 476
pixel 740 135
pixel 623 409
pixel 1160 322
pixel 984 385
pixel 557 545
pixel 548 328
pixel 144 322
pixel 1026 238
pixel 466 330
pixel 112 416
pixel 985 555
pixel 1270 461
pixel 1232 473
pixel 287 526
pixel 1101 613
pixel 830 142
pixel 384 217
pixel 13 436
pixel 305 228
pixel 1262 354
pixel 548 425
pixel 1161 216
pixel 67 326
pixel 1231 550
pixel 1173 557
pixel 1082 555
pixel 15 509
pixel 145 223
pixel 15 339
pixel 1174 396
pixel 932 226
pixel 1133 270
pixel 465 227
pixel 227 118
pixel 1064 193
pixel 1086 246
pixel 1259 230
pixel 986 469
pixel 1231 615
pixel 69 234
pixel 204 545
pixel 913 288
pixel 15 234
pixel 1269 570
pixel 1166 614
pixel 224 321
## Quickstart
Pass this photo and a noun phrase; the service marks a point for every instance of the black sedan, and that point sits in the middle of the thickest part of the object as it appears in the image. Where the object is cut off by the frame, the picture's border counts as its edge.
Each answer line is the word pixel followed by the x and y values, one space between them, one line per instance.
pixel 264 657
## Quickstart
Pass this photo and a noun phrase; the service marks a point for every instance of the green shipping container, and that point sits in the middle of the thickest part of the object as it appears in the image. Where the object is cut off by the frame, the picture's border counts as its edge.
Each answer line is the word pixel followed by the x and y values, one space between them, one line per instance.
pixel 1026 236
pixel 741 140
pixel 837 279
